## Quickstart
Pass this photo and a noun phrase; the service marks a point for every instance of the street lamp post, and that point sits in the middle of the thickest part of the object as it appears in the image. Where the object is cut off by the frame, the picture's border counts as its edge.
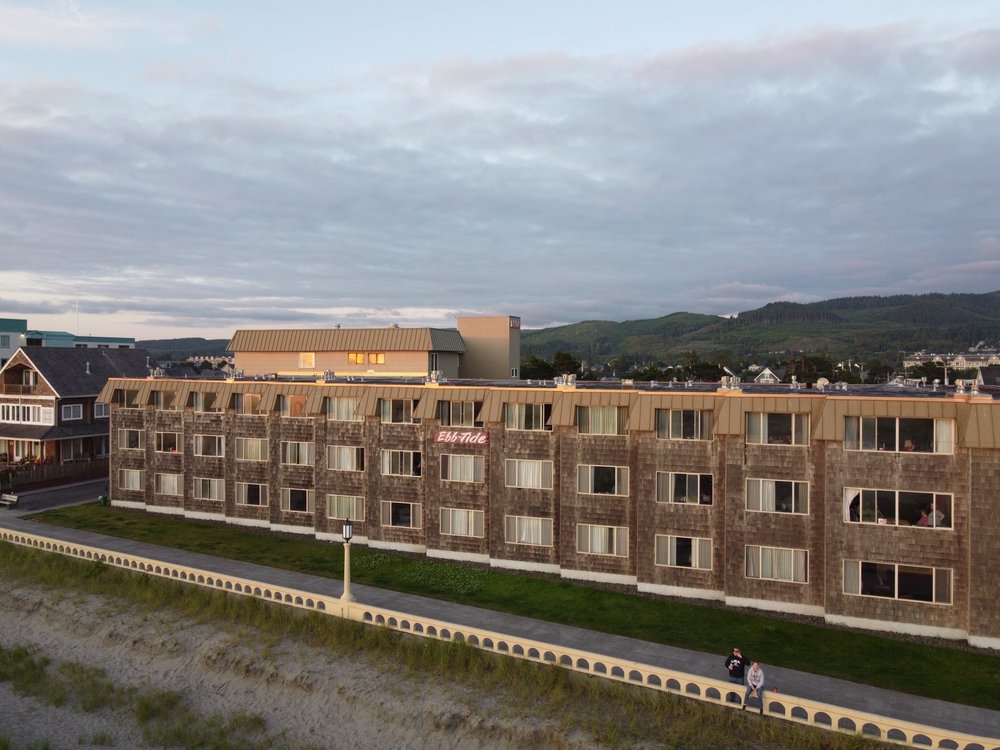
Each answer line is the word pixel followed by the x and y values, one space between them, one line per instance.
pixel 348 532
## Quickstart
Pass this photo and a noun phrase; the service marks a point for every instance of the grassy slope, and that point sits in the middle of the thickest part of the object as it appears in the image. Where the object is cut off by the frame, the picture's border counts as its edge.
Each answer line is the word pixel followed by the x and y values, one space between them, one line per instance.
pixel 931 670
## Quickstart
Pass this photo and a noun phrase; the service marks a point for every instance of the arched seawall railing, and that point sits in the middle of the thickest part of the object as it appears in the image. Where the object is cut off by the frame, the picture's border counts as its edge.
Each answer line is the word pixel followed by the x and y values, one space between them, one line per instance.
pixel 799 710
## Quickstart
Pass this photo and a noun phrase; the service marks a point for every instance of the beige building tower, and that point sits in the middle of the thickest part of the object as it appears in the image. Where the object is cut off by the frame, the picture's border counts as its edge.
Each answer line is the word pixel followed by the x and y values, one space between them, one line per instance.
pixel 493 346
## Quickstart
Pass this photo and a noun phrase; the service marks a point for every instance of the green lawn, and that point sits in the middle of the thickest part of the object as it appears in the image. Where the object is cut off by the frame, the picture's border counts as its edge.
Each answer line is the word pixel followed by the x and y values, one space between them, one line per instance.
pixel 935 671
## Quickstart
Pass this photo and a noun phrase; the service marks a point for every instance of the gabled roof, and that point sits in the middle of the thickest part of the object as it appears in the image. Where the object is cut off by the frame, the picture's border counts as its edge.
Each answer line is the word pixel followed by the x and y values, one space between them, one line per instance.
pixel 388 339
pixel 83 372
pixel 990 375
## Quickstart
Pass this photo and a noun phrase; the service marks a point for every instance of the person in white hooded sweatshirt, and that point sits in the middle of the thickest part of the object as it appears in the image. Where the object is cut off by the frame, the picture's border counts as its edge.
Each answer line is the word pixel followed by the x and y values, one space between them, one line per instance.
pixel 755 683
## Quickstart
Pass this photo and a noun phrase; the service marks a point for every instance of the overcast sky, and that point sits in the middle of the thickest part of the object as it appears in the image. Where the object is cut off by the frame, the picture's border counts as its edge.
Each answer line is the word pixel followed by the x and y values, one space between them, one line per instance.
pixel 178 168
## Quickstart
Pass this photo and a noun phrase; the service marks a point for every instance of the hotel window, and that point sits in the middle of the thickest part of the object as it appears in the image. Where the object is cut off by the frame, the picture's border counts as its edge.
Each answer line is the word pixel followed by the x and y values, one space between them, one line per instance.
pixel 131 440
pixel 602 480
pixel 527 416
pixel 345 458
pixel 345 506
pixel 292 405
pixel 131 479
pixel 894 581
pixel 251 493
pixel 164 400
pixel 340 409
pixel 602 540
pixel 683 424
pixel 102 411
pixel 684 552
pixel 167 442
pixel 401 463
pixel 897 508
pixel 169 484
pixel 72 412
pixel 401 515
pixel 5 342
pixel 204 402
pixel 601 420
pixel 462 468
pixel 536 532
pixel 251 449
pixel 899 434
pixel 101 446
pixel 296 453
pixel 777 496
pixel 396 410
pixel 765 428
pixel 247 403
pixel 675 487
pixel 307 360
pixel 535 475
pixel 209 445
pixel 777 564
pixel 127 399
pixel 209 489
pixel 297 500
pixel 458 413
pixel 461 522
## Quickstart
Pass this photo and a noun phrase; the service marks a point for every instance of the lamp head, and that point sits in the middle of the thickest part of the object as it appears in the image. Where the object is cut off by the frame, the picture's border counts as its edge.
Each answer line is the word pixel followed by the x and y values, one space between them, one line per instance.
pixel 348 530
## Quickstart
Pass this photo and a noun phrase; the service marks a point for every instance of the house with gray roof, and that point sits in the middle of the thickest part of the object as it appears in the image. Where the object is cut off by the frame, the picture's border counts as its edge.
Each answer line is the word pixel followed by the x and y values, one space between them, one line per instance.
pixel 48 409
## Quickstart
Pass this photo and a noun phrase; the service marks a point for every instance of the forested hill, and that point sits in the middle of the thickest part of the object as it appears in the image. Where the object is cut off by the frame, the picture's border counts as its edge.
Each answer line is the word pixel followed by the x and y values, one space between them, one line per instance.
pixel 844 327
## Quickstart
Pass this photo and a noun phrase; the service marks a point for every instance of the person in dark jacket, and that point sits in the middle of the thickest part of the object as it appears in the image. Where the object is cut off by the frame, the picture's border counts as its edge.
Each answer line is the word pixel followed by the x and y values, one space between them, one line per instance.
pixel 736 665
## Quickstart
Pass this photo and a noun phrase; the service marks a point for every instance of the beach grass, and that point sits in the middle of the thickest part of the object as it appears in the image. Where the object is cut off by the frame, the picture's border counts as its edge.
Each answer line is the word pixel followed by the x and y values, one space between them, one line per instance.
pixel 612 714
pixel 930 669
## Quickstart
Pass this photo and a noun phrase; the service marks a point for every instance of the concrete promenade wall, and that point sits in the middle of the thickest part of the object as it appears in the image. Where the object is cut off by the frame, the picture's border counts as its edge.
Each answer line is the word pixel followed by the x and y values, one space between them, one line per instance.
pixel 719 692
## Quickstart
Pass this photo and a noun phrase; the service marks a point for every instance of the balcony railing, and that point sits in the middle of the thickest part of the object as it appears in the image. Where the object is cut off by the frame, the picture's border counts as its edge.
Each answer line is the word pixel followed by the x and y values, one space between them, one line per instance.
pixel 11 389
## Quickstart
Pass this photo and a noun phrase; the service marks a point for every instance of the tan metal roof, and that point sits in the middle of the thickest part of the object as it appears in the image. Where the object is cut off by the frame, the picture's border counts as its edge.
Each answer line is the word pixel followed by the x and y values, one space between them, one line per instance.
pixel 387 339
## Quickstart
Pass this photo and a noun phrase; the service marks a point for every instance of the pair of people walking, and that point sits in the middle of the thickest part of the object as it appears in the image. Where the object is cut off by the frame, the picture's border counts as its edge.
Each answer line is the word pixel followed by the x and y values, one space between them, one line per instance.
pixel 752 679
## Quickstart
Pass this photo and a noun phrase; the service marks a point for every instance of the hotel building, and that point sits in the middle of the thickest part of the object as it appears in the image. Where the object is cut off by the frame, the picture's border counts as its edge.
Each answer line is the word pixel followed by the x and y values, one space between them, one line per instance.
pixel 868 506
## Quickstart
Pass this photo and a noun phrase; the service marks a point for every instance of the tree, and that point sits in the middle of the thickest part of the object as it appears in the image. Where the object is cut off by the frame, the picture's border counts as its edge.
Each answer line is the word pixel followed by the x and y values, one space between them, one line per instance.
pixel 565 363
pixel 537 369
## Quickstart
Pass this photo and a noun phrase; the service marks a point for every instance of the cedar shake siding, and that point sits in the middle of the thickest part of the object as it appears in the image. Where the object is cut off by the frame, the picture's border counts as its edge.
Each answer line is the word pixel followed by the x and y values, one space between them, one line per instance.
pixel 743 495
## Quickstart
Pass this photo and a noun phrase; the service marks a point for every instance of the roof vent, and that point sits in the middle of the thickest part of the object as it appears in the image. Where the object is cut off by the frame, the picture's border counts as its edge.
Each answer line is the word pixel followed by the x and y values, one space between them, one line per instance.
pixel 88 368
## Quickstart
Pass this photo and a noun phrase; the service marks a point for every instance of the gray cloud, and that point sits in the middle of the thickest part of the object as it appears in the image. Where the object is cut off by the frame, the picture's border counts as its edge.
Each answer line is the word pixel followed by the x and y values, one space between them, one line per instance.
pixel 713 179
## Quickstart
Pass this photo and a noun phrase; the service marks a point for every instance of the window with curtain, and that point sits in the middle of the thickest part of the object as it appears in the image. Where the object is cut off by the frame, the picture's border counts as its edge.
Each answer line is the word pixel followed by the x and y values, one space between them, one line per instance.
pixel 601 420
pixel 529 474
pixel 251 493
pixel 396 410
pixel 683 424
pixel 932 510
pixel 206 488
pixel 528 530
pixel 342 409
pixel 131 479
pixel 209 445
pixel 169 484
pixel 777 564
pixel 401 463
pixel 676 487
pixel 297 499
pixel 602 480
pixel 345 458
pixel 346 506
pixel 527 416
pixel 131 439
pixel 777 428
pixel 459 468
pixel 602 540
pixel 684 552
pixel 251 449
pixel 899 435
pixel 898 581
pixel 458 413
pixel 462 522
pixel 297 453
pixel 777 496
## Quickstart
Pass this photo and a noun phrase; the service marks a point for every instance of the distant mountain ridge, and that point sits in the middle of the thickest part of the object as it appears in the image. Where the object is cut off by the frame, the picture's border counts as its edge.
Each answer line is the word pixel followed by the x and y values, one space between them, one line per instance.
pixel 839 328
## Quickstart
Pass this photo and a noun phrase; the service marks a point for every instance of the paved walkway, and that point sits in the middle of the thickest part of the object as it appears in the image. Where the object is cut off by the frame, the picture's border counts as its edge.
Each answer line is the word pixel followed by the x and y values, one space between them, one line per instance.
pixel 935 713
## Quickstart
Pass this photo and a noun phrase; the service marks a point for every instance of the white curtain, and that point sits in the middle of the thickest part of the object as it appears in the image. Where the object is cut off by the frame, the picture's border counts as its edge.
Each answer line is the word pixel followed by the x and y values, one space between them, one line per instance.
pixel 944 436
pixel 753 562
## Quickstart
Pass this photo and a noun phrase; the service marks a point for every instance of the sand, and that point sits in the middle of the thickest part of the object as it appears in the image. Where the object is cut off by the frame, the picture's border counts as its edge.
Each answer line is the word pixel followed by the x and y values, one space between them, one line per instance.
pixel 308 697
